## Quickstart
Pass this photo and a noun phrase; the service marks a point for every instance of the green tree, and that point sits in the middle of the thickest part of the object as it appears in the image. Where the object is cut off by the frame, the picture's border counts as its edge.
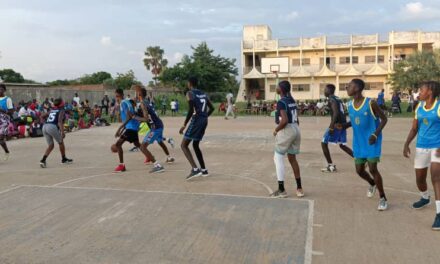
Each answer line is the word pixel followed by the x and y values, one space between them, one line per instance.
pixel 9 75
pixel 154 61
pixel 418 67
pixel 125 80
pixel 94 78
pixel 215 73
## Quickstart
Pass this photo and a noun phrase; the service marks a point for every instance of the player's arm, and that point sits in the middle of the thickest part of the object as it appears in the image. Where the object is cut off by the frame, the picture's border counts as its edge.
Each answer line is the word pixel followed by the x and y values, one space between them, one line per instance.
pixel 411 135
pixel 283 122
pixel 335 111
pixel 61 123
pixel 145 114
pixel 190 111
pixel 383 121
pixel 211 107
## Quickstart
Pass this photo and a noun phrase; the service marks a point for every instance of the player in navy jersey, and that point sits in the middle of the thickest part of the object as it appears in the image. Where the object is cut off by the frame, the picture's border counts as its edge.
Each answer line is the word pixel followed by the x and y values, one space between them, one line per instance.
pixel 367 121
pixel 426 126
pixel 287 139
pixel 334 134
pixel 200 108
pixel 53 129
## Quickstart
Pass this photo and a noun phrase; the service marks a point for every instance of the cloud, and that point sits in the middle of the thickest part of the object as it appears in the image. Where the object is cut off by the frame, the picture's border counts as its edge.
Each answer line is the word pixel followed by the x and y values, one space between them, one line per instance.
pixel 178 56
pixel 106 41
pixel 418 11
pixel 168 22
pixel 289 17
pixel 231 28
pixel 193 10
pixel 414 8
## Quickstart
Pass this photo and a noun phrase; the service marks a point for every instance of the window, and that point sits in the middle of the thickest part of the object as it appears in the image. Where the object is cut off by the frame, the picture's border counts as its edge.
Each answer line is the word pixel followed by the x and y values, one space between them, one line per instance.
pixel 343 86
pixel 372 59
pixel 374 86
pixel 295 62
pixel 346 60
pixel 301 87
pixel 260 37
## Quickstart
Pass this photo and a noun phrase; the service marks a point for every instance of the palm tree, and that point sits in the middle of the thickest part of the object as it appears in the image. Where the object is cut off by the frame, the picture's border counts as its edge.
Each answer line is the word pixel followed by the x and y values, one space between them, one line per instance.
pixel 154 61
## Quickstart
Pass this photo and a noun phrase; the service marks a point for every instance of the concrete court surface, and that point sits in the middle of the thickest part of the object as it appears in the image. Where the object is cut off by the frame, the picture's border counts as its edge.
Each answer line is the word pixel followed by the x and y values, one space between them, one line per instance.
pixel 83 213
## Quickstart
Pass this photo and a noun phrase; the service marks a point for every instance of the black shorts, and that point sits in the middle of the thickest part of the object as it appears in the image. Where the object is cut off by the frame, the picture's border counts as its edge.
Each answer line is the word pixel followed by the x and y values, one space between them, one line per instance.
pixel 130 136
pixel 196 129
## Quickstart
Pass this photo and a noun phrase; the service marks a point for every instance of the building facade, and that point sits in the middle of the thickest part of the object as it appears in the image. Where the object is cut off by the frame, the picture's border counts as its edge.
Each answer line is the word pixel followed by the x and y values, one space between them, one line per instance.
pixel 317 61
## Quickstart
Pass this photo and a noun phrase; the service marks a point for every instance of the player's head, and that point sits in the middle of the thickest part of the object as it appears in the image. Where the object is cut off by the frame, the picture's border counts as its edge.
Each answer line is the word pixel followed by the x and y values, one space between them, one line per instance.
pixel 138 89
pixel 119 94
pixel 142 93
pixel 283 88
pixel 383 90
pixel 193 82
pixel 329 90
pixel 356 86
pixel 58 102
pixel 429 89
pixel 2 89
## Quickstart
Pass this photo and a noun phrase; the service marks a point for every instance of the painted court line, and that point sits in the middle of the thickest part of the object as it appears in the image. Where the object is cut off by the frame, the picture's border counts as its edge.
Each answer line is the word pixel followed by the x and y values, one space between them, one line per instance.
pixel 11 189
pixel 309 239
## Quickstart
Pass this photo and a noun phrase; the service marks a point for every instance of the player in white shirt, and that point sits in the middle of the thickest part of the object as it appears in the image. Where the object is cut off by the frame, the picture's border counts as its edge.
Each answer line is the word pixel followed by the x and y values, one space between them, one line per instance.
pixel 230 107
pixel 173 105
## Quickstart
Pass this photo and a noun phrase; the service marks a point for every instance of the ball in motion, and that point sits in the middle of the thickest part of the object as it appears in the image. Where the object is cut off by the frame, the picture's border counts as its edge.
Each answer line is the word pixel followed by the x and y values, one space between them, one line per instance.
pixel 113 148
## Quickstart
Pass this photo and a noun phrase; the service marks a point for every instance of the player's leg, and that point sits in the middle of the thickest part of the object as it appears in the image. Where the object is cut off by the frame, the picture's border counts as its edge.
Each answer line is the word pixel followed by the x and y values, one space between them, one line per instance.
pixel 4 129
pixel 346 149
pixel 422 161
pixel 360 170
pixel 199 154
pixel 5 147
pixel 195 171
pixel 435 178
pixel 325 150
pixel 383 204
pixel 296 171
pixel 118 144
pixel 228 111
pixel 280 171
pixel 50 146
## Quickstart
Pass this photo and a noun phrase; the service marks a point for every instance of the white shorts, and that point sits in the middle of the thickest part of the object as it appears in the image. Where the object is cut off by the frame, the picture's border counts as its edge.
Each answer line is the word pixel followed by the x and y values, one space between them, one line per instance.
pixel 424 158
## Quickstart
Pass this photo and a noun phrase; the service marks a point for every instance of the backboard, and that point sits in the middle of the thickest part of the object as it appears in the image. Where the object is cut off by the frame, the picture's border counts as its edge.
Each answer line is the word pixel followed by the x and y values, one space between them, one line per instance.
pixel 278 65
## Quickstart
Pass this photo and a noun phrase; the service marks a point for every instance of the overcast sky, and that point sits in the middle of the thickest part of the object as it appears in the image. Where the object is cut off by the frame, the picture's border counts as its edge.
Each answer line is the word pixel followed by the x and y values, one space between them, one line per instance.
pixel 55 39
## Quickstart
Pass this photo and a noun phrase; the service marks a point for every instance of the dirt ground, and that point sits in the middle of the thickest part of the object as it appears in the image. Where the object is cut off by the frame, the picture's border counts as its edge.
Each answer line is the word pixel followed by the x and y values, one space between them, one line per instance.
pixel 83 213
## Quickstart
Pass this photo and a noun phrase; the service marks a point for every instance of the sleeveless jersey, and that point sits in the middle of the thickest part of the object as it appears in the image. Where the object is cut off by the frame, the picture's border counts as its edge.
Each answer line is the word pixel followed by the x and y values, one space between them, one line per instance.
pixel 126 107
pixel 155 120
pixel 288 104
pixel 200 100
pixel 364 124
pixel 54 117
pixel 429 126
pixel 340 119
pixel 4 103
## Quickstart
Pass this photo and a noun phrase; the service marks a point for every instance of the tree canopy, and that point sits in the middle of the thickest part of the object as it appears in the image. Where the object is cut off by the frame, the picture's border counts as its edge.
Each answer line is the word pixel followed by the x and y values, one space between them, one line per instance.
pixel 123 80
pixel 11 76
pixel 418 67
pixel 215 73
pixel 154 61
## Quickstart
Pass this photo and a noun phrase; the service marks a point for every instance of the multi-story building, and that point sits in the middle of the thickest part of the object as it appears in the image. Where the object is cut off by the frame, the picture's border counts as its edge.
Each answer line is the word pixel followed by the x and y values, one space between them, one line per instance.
pixel 311 63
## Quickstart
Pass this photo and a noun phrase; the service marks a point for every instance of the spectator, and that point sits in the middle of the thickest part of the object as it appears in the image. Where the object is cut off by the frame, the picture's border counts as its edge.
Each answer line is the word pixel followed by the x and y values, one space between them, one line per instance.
pixel 396 101
pixel 164 105
pixel 381 99
pixel 105 104
pixel 77 99
pixel 173 107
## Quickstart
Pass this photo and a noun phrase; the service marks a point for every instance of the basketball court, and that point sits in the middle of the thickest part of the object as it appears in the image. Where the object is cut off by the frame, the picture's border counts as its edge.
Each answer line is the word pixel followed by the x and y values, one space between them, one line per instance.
pixel 83 213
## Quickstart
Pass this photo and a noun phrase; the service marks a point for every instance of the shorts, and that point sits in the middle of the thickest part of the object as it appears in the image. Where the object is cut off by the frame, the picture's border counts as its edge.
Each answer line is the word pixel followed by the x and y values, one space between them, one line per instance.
pixel 4 125
pixel 288 140
pixel 154 135
pixel 424 158
pixel 339 137
pixel 130 136
pixel 362 161
pixel 51 132
pixel 196 129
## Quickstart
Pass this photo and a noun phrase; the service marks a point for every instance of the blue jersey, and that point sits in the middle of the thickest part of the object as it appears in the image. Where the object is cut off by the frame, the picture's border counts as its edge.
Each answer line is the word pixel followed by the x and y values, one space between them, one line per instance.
pixel 54 117
pixel 155 120
pixel 381 98
pixel 428 126
pixel 288 104
pixel 364 124
pixel 340 119
pixel 200 101
pixel 126 108
pixel 6 103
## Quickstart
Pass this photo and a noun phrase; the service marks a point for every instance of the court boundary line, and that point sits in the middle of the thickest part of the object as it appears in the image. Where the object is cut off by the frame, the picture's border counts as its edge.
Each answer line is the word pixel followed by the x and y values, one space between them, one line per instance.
pixel 11 189
pixel 308 251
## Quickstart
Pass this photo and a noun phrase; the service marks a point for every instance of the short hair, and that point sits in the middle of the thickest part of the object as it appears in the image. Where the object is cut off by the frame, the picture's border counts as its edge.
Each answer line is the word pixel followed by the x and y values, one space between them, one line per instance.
pixel 433 86
pixel 285 86
pixel 331 87
pixel 119 91
pixel 2 85
pixel 359 83
pixel 58 101
pixel 193 81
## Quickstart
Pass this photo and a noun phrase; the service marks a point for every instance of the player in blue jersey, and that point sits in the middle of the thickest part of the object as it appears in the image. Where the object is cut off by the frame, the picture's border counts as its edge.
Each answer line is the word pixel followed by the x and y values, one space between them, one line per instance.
pixel 128 131
pixel 287 139
pixel 53 130
pixel 367 121
pixel 334 134
pixel 426 126
pixel 6 110
pixel 200 108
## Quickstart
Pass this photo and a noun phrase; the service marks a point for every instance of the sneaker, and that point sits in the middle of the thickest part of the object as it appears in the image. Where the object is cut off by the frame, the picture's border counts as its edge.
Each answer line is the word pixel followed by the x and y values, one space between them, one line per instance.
pixel 134 149
pixel 170 160
pixel 279 194
pixel 299 193
pixel 194 174
pixel 66 161
pixel 329 169
pixel 6 157
pixel 421 203
pixel 157 169
pixel 120 168
pixel 436 224
pixel 383 204
pixel 43 164
pixel 205 173
pixel 147 161
pixel 171 142
pixel 371 191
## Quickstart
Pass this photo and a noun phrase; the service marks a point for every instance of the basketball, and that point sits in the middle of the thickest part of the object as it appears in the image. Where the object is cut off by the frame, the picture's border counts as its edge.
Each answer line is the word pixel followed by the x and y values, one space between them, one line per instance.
pixel 113 148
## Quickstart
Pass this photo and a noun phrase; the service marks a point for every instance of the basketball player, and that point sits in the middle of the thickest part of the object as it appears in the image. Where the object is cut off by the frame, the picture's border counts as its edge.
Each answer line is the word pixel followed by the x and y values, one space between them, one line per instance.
pixel 287 139
pixel 6 110
pixel 200 108
pixel 334 134
pixel 426 126
pixel 368 121
pixel 53 129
